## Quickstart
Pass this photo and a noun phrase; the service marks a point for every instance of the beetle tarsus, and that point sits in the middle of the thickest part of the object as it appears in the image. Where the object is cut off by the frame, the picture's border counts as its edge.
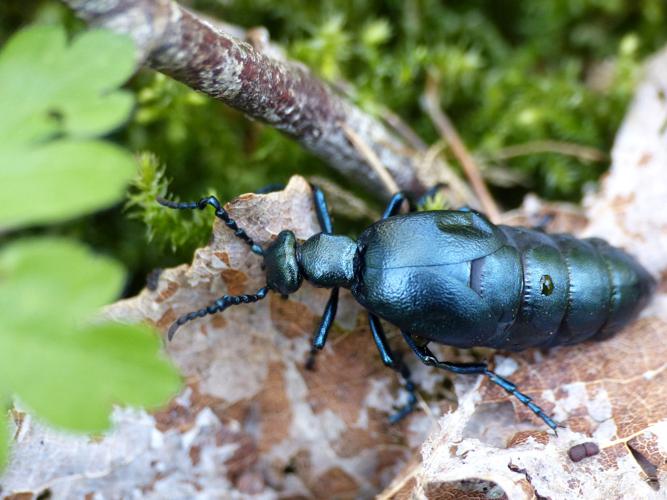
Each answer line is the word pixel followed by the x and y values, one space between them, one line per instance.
pixel 412 395
pixel 310 360
pixel 396 364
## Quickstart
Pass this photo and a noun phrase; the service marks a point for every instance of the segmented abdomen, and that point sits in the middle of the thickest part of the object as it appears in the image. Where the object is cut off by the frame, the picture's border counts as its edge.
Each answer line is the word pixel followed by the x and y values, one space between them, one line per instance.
pixel 554 289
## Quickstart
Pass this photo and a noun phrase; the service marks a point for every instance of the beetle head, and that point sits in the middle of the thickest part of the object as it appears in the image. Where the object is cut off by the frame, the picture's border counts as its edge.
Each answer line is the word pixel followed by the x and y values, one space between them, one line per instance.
pixel 282 267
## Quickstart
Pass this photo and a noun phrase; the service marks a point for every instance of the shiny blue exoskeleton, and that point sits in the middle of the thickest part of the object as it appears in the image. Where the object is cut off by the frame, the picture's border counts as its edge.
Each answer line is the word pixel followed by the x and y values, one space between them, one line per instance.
pixel 454 278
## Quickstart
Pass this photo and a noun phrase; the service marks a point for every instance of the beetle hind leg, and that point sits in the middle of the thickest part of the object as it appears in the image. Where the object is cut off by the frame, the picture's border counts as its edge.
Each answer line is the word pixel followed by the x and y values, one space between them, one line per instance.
pixel 429 359
pixel 396 364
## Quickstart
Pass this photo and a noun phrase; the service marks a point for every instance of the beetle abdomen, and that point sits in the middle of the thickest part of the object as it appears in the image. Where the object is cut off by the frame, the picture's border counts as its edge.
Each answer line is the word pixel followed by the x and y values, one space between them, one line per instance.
pixel 572 289
pixel 631 287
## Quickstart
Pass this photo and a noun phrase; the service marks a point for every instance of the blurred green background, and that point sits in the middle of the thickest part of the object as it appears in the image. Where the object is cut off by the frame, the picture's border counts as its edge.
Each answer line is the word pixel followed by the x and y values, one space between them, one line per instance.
pixel 511 74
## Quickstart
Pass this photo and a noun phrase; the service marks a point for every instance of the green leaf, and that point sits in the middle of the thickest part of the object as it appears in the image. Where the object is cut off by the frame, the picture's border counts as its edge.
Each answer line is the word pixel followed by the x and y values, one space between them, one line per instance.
pixel 61 180
pixel 43 83
pixel 53 280
pixel 68 370
pixel 83 373
pixel 53 99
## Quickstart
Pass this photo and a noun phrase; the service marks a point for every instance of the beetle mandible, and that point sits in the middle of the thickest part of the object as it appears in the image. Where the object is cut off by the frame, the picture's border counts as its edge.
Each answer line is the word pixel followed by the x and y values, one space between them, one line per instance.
pixel 452 277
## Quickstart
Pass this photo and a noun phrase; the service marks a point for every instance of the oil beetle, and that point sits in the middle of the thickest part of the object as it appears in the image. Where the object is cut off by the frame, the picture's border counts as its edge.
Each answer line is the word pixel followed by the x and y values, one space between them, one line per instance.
pixel 454 278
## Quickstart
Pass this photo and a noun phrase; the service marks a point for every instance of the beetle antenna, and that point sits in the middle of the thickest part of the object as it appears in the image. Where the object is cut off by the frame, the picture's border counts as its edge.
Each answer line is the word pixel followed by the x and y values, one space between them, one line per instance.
pixel 220 213
pixel 218 306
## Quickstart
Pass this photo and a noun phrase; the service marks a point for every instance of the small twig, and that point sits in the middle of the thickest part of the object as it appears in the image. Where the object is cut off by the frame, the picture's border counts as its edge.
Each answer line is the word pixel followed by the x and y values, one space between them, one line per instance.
pixel 585 153
pixel 403 129
pixel 433 153
pixel 371 158
pixel 434 167
pixel 451 136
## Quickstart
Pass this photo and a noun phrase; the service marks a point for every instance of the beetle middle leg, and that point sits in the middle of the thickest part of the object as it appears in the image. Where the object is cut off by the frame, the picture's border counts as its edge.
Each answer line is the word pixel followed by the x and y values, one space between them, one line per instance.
pixel 320 336
pixel 390 360
pixel 428 358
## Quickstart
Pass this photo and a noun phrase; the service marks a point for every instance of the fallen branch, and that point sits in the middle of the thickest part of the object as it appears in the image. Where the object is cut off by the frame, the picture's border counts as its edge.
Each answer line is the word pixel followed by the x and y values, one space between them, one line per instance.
pixel 199 53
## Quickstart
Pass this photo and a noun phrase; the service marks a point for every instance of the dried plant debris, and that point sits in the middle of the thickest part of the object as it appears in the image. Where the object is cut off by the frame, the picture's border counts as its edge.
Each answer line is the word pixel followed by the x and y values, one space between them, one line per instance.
pixel 253 421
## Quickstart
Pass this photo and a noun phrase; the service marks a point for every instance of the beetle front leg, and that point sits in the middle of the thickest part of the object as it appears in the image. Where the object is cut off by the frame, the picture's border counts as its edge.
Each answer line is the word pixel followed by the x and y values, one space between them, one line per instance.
pixel 428 358
pixel 320 336
pixel 390 361
pixel 322 210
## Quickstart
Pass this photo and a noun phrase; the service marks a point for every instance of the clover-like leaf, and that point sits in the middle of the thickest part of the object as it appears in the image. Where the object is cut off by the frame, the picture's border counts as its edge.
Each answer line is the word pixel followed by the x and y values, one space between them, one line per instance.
pixel 66 369
pixel 53 99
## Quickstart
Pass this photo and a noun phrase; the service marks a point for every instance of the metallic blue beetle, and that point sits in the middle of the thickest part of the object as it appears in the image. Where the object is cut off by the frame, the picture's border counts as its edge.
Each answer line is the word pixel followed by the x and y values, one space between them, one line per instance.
pixel 454 278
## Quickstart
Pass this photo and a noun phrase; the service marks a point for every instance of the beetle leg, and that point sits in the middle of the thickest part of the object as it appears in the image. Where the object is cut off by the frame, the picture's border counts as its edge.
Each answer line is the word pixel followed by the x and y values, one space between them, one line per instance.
pixel 396 202
pixel 270 188
pixel 428 358
pixel 390 361
pixel 320 337
pixel 322 210
pixel 394 205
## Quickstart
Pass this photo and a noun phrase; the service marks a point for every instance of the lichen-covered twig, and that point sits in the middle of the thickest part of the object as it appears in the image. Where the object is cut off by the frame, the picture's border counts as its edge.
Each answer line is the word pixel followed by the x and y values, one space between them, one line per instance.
pixel 285 95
